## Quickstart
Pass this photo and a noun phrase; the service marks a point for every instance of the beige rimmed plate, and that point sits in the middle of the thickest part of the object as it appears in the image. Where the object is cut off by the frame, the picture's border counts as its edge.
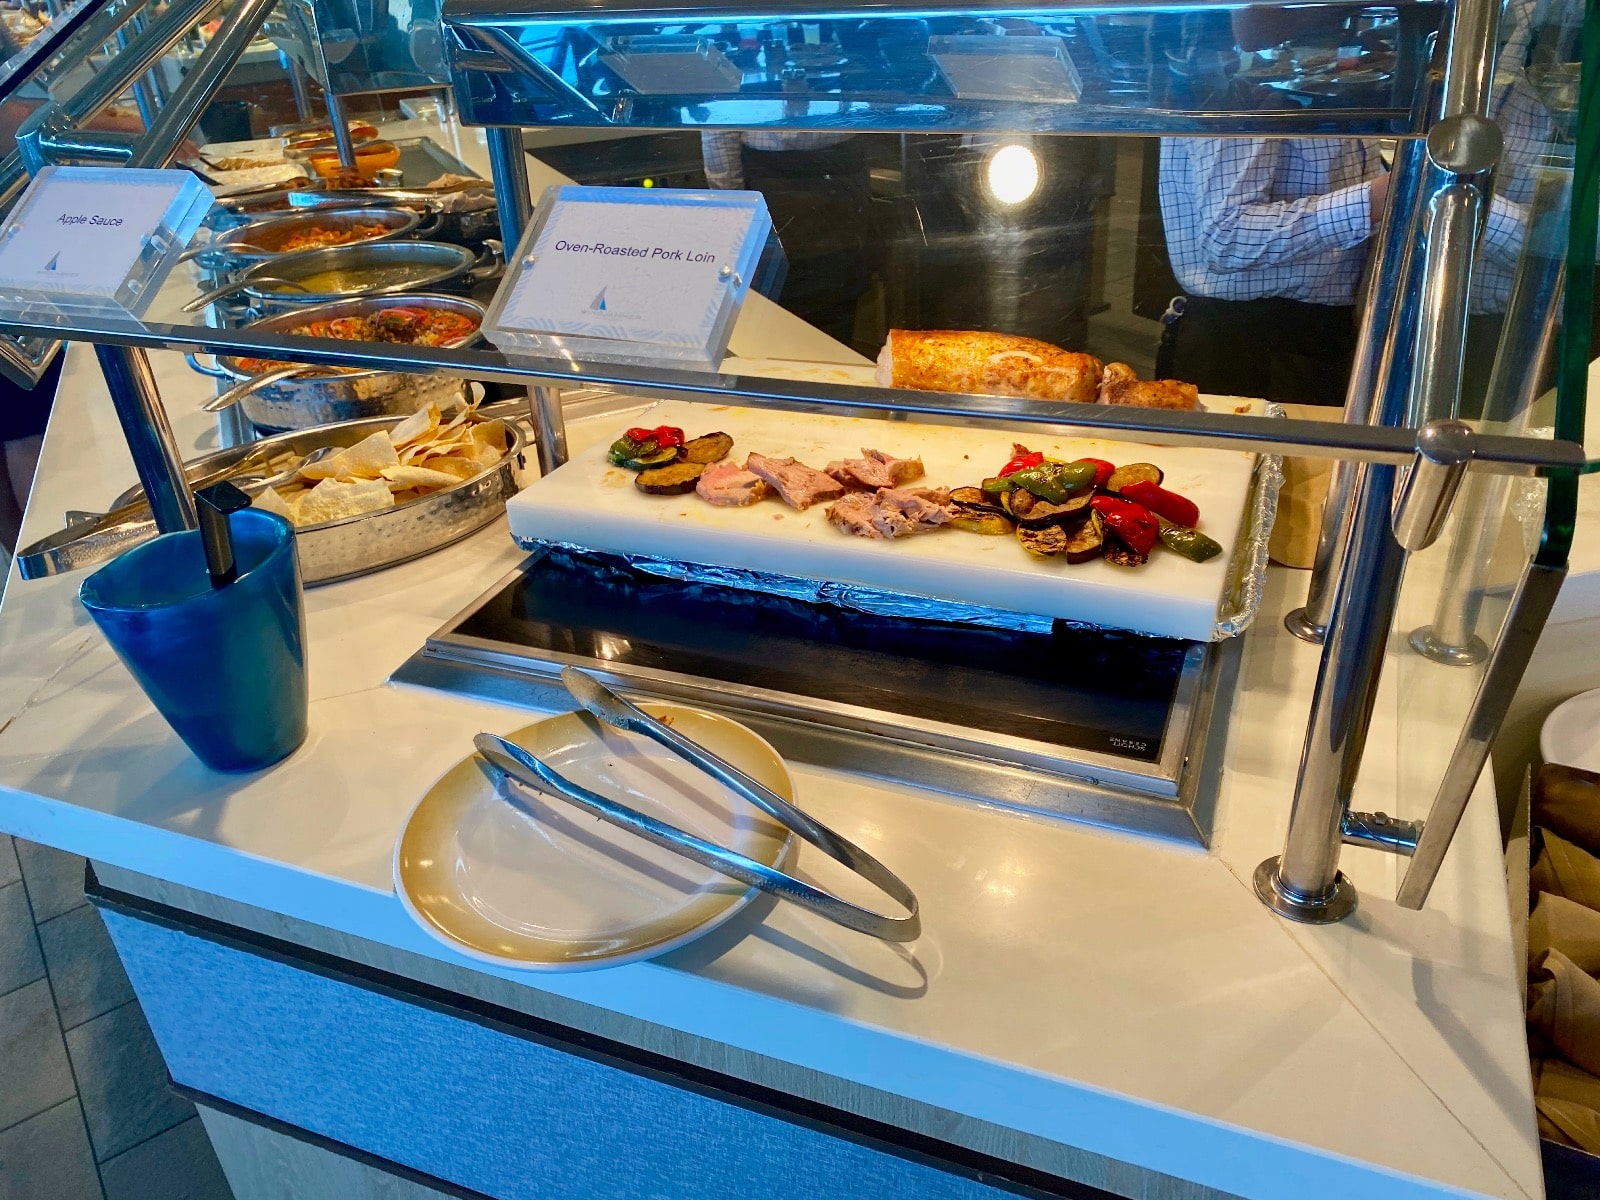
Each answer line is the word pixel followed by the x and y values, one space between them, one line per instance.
pixel 553 888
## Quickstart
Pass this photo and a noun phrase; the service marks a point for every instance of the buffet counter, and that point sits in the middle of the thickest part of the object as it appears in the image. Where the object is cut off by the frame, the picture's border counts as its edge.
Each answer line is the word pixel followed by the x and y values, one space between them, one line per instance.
pixel 1084 1010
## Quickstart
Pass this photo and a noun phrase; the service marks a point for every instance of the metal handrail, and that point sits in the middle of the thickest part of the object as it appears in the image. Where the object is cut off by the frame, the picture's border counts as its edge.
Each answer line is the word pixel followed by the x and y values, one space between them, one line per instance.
pixel 1316 439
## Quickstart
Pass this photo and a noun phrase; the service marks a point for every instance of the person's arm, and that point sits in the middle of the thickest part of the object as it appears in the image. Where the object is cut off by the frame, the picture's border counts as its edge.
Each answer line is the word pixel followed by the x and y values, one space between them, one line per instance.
pixel 1242 227
pixel 722 153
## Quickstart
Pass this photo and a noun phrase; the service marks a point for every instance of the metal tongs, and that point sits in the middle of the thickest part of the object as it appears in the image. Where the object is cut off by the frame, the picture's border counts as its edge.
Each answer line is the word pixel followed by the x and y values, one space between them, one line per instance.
pixel 524 768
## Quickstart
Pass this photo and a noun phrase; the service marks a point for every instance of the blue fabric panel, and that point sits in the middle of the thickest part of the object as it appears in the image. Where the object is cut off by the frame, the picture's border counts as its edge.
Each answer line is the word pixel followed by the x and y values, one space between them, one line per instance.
pixel 483 1109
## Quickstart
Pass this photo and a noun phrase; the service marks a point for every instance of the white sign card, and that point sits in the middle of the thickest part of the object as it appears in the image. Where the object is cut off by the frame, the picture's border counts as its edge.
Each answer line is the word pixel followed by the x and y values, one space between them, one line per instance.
pixel 98 237
pixel 632 273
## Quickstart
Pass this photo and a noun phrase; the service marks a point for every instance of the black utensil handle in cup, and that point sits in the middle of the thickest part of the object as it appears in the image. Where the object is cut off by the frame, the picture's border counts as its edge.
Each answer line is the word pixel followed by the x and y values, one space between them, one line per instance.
pixel 213 504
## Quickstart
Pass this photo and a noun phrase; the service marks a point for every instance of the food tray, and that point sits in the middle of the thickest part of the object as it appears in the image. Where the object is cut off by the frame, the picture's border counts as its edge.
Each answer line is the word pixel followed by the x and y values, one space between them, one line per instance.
pixel 769 547
pixel 369 542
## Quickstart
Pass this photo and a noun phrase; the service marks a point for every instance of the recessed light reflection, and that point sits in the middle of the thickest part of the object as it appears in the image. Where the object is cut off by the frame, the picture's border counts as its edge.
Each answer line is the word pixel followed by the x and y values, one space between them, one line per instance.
pixel 1013 174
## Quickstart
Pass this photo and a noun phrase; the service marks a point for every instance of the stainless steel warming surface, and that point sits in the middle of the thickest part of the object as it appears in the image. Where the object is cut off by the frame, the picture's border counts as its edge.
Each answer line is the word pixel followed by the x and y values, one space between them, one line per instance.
pixel 1101 725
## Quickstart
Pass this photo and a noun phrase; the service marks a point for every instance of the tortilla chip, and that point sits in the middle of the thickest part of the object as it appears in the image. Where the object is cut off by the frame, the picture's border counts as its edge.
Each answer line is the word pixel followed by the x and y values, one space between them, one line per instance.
pixel 365 460
pixel 417 427
pixel 455 466
pixel 270 501
pixel 424 480
pixel 491 433
pixel 332 500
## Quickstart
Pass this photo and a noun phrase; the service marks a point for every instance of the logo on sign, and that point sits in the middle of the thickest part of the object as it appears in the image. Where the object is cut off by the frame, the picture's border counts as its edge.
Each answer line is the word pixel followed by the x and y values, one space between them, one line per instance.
pixel 598 304
pixel 54 259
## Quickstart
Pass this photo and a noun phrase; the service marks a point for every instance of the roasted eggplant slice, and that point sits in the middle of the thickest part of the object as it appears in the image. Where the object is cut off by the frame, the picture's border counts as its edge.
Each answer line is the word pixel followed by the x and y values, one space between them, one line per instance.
pixel 712 447
pixel 1042 512
pixel 1048 542
pixel 973 497
pixel 980 518
pixel 1134 473
pixel 1087 541
pixel 1123 555
pixel 676 480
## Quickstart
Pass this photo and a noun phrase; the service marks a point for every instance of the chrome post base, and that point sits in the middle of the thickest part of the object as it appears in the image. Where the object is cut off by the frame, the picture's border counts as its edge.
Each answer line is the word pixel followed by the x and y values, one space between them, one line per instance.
pixel 1300 624
pixel 1335 906
pixel 1427 643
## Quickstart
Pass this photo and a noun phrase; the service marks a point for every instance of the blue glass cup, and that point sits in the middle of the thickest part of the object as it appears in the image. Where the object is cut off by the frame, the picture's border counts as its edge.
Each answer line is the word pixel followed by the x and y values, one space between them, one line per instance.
pixel 226 666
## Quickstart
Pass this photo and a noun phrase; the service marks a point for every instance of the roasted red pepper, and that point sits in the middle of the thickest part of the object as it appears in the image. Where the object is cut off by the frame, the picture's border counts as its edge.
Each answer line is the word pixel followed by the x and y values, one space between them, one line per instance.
pixel 1021 459
pixel 1102 470
pixel 1133 523
pixel 662 435
pixel 1180 510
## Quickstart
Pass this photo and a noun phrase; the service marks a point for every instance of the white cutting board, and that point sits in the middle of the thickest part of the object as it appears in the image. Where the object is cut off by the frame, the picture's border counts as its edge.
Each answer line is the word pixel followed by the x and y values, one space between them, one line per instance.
pixel 589 502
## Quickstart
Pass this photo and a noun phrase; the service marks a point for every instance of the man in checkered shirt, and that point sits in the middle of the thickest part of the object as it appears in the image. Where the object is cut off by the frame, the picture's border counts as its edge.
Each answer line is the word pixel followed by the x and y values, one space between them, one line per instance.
pixel 1269 238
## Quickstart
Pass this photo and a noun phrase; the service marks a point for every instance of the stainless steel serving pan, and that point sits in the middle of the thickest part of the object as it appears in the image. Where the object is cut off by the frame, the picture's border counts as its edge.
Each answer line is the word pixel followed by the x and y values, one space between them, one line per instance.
pixel 328 552
pixel 457 214
pixel 260 241
pixel 274 286
pixel 300 397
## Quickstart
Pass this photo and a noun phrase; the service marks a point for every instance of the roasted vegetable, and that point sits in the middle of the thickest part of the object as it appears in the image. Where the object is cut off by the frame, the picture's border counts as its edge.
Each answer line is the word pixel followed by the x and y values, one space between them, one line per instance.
pixel 1191 543
pixel 1052 481
pixel 980 519
pixel 1124 556
pixel 1087 540
pixel 1102 470
pixel 661 435
pixel 1133 473
pixel 1021 458
pixel 1131 524
pixel 676 480
pixel 1031 510
pixel 1180 510
pixel 1049 542
pixel 640 456
pixel 976 498
pixel 709 448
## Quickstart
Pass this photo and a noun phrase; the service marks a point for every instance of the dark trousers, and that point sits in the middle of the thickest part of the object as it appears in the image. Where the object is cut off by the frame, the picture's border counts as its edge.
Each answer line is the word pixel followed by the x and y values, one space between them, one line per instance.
pixel 1283 350
pixel 820 201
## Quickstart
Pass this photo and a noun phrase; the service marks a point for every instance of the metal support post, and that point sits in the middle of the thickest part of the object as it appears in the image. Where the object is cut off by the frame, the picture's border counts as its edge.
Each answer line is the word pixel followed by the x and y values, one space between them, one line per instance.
pixel 1304 882
pixel 508 165
pixel 550 423
pixel 144 424
pixel 1530 609
pixel 1522 364
pixel 1468 70
pixel 508 162
pixel 298 85
pixel 1387 323
pixel 340 125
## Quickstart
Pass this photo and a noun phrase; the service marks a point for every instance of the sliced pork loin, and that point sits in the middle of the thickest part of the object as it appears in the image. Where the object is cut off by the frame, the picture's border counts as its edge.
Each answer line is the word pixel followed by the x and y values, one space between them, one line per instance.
pixel 728 485
pixel 874 470
pixel 892 512
pixel 800 486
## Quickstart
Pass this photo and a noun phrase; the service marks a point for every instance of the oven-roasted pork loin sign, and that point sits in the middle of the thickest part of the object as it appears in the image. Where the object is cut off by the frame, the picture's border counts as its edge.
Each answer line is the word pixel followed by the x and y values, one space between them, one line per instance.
pixel 1070 511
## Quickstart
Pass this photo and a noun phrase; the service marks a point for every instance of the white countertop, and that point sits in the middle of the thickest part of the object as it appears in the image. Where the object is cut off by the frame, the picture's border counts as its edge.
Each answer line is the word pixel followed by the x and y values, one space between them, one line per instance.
pixel 1090 989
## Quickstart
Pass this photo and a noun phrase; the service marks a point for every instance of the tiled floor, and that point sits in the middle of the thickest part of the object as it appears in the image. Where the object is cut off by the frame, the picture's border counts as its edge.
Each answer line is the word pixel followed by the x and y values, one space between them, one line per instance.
pixel 85 1110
